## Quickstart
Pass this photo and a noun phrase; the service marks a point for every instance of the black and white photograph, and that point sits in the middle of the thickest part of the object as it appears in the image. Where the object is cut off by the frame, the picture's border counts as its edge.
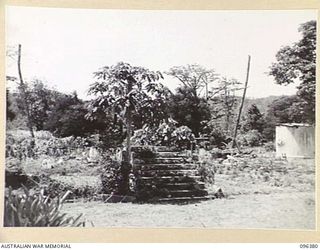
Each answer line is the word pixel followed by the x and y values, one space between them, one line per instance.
pixel 121 118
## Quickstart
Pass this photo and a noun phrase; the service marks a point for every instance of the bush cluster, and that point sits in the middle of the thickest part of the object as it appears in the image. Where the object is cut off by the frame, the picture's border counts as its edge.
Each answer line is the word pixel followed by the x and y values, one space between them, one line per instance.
pixel 251 138
pixel 21 146
pixel 54 188
pixel 116 177
pixel 167 134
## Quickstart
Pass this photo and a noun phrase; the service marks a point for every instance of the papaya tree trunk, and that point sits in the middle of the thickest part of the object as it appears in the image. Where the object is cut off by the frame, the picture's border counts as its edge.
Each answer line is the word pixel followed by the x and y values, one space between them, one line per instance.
pixel 128 139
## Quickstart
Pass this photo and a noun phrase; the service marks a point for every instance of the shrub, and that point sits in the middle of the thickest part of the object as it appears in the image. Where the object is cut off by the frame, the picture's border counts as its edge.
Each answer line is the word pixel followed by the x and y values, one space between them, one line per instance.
pixel 36 211
pixel 269 132
pixel 163 135
pixel 218 138
pixel 269 146
pixel 144 136
pixel 54 188
pixel 207 172
pixel 206 168
pixel 115 177
pixel 167 134
pixel 251 138
pixel 183 137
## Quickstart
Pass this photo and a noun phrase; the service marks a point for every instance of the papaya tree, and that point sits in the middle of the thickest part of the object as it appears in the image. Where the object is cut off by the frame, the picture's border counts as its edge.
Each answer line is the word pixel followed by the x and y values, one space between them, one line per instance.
pixel 124 91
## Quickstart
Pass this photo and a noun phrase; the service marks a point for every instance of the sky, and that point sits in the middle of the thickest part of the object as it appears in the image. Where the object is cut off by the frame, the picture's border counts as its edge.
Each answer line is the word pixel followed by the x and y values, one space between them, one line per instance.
pixel 63 47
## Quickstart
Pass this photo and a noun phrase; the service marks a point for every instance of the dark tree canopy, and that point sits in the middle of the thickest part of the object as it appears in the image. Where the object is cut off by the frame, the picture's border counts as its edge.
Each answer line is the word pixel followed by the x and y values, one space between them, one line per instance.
pixel 254 120
pixel 189 110
pixel 283 110
pixel 298 63
pixel 39 98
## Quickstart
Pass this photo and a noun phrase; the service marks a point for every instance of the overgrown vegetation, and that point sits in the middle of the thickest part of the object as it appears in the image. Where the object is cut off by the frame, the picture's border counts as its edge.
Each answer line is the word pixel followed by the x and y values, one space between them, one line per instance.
pixel 35 210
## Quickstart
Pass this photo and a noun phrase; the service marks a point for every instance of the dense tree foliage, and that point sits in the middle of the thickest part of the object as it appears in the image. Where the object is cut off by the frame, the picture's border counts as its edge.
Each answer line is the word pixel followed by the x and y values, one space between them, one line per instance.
pixel 124 90
pixel 67 117
pixel 253 120
pixel 41 100
pixel 281 110
pixel 61 114
pixel 298 63
pixel 189 110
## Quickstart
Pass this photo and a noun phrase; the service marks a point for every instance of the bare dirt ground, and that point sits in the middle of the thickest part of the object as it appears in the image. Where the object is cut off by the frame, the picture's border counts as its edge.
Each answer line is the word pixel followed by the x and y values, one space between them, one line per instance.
pixel 257 197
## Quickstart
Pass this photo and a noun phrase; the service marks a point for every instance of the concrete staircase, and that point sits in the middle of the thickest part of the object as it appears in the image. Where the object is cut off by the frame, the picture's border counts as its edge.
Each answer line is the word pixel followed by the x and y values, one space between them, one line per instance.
pixel 168 177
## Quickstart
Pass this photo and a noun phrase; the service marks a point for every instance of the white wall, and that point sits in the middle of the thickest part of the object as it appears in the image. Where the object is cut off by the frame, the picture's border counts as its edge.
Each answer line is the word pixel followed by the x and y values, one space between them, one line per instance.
pixel 298 141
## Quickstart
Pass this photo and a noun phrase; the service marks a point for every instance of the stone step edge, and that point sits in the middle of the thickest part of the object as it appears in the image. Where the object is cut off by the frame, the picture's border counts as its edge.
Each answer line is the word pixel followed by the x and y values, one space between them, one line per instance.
pixel 179 183
pixel 184 199
pixel 164 164
pixel 170 177
pixel 168 170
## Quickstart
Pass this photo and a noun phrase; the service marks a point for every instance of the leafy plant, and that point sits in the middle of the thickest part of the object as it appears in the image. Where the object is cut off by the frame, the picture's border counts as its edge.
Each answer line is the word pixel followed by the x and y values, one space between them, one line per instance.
pixel 115 177
pixel 163 134
pixel 189 110
pixel 182 137
pixel 143 136
pixel 124 90
pixel 53 188
pixel 270 147
pixel 218 138
pixel 207 172
pixel 29 210
pixel 253 119
pixel 251 138
pixel 166 134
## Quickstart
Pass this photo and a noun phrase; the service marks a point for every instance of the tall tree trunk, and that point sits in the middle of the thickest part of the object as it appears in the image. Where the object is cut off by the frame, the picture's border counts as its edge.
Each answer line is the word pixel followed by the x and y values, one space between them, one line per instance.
pixel 126 166
pixel 22 87
pixel 241 105
pixel 128 139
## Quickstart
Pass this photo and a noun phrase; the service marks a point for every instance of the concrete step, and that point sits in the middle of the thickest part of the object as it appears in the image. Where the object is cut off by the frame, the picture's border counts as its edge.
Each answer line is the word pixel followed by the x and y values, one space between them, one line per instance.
pixel 168 176
pixel 175 154
pixel 170 154
pixel 165 166
pixel 147 194
pixel 185 193
pixel 180 172
pixel 173 179
pixel 177 186
pixel 166 149
pixel 175 160
pixel 182 200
